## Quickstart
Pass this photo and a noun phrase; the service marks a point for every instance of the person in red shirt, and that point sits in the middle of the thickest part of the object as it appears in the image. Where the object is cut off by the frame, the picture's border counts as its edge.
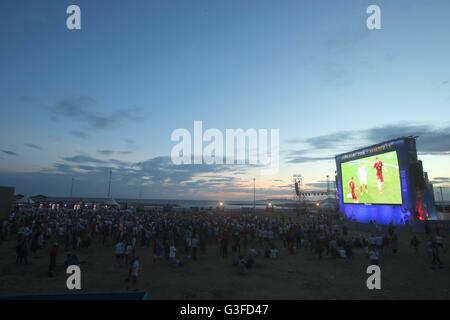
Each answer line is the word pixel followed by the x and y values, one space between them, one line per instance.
pixel 380 179
pixel 352 186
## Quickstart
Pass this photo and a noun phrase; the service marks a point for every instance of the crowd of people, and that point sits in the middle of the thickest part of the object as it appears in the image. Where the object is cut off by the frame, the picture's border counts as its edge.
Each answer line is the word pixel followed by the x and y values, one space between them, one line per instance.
pixel 180 238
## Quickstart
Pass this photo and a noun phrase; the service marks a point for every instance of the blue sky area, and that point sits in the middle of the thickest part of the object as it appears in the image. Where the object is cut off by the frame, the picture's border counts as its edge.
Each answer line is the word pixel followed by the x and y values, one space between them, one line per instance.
pixel 76 103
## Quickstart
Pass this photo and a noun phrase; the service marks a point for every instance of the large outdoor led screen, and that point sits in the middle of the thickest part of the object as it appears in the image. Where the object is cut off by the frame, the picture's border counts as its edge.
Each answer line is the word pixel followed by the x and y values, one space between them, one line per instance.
pixel 372 180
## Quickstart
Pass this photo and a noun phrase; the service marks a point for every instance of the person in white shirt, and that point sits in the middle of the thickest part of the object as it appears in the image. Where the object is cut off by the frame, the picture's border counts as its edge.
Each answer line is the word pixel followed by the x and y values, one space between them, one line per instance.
pixel 128 253
pixel 374 257
pixel 135 270
pixel 362 176
pixel 274 253
pixel 172 252
pixel 120 251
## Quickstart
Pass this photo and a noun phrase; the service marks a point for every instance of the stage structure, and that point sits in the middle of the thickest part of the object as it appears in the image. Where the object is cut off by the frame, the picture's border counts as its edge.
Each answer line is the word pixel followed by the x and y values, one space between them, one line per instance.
pixel 298 185
pixel 384 183
pixel 304 194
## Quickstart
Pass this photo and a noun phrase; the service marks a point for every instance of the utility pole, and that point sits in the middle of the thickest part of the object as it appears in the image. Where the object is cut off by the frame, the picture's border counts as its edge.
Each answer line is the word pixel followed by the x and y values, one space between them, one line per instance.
pixel 328 185
pixel 71 187
pixel 442 195
pixel 109 187
pixel 254 193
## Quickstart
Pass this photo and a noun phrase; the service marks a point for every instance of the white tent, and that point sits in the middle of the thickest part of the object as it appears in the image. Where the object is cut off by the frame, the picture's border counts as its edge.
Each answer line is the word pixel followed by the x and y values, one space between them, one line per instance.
pixel 111 202
pixel 26 199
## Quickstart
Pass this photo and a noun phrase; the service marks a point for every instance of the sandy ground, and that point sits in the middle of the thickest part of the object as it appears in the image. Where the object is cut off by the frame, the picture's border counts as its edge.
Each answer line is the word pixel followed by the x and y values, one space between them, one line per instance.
pixel 300 276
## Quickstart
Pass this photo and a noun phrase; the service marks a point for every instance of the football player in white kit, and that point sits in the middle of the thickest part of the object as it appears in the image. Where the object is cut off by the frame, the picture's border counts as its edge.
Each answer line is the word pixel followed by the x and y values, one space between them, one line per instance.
pixel 362 175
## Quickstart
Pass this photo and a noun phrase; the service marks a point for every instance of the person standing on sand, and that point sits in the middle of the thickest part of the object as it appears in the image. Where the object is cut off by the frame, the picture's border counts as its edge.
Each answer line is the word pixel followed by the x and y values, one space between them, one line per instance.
pixel 158 251
pixel 129 254
pixel 154 244
pixel 415 244
pixel 166 250
pixel 242 269
pixel 224 246
pixel 440 240
pixel 435 254
pixel 22 250
pixel 394 243
pixel 319 248
pixel 53 255
pixel 135 270
pixel 348 251
pixel 172 253
pixel 120 252
pixel 274 252
pixel 374 256
pixel 194 244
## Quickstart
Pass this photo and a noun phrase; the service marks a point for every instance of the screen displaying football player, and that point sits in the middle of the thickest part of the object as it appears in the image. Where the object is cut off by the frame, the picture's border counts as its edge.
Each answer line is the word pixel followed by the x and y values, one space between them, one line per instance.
pixel 362 176
pixel 380 179
pixel 352 186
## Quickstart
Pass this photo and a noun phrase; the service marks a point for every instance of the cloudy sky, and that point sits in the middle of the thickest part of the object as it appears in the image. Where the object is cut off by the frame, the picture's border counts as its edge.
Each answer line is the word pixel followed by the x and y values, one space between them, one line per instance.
pixel 77 103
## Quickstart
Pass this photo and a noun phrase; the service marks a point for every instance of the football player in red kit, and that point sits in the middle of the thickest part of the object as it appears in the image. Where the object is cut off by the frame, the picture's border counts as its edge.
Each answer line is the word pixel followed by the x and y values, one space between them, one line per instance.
pixel 380 180
pixel 352 186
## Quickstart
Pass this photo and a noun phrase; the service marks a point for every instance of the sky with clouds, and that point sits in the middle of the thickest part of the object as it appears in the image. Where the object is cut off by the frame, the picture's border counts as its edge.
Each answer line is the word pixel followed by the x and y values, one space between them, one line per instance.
pixel 77 103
